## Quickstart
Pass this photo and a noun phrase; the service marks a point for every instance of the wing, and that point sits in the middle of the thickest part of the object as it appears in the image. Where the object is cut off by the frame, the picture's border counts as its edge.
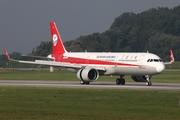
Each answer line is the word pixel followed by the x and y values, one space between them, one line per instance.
pixel 60 64
pixel 53 63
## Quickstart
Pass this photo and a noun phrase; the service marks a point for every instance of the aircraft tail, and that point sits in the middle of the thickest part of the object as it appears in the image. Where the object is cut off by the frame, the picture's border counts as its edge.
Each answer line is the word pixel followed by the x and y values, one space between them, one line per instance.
pixel 171 56
pixel 6 53
pixel 57 44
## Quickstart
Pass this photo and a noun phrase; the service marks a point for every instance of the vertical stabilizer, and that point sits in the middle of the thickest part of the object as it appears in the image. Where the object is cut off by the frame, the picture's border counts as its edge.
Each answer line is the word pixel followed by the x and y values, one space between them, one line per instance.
pixel 171 56
pixel 6 53
pixel 57 44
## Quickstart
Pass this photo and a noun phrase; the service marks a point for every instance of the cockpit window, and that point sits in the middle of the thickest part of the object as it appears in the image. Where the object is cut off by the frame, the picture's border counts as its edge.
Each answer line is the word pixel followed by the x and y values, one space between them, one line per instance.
pixel 154 60
pixel 160 60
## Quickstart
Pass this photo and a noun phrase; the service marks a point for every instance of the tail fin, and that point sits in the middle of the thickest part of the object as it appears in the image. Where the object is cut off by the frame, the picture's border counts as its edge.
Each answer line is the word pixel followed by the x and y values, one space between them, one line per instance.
pixel 171 56
pixel 57 44
pixel 6 53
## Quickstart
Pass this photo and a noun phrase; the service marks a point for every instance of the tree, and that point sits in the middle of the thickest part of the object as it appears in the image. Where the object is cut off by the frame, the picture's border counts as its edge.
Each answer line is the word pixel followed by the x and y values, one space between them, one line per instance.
pixel 156 30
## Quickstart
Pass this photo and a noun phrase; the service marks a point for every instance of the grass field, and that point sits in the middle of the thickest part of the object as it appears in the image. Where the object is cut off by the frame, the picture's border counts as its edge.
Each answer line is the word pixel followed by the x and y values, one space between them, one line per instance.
pixel 167 76
pixel 27 103
pixel 37 103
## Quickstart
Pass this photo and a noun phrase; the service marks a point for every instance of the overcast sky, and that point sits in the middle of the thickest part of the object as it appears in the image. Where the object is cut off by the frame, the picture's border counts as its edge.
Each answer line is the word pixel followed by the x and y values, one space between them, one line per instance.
pixel 25 23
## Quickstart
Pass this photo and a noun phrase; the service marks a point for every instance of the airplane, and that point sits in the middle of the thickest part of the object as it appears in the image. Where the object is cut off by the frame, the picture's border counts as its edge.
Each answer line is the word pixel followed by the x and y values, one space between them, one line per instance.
pixel 88 66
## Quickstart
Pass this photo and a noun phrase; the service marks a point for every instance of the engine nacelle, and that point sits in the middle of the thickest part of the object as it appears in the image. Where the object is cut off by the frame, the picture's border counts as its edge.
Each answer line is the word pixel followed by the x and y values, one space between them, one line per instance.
pixel 88 74
pixel 141 78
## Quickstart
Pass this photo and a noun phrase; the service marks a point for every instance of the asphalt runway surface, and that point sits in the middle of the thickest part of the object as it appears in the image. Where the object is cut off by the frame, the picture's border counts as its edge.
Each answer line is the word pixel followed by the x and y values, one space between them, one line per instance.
pixel 97 85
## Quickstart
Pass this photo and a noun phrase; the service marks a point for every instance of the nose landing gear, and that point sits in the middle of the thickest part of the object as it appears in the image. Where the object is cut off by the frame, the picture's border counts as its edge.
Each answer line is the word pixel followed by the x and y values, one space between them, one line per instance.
pixel 148 83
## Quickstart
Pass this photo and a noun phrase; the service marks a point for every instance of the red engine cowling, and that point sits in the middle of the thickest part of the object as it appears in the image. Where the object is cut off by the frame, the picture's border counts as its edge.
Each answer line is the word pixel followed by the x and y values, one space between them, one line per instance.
pixel 88 74
pixel 141 78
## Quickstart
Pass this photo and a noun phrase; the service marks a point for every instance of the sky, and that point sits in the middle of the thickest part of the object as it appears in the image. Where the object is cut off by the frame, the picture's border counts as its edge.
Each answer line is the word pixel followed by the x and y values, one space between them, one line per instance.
pixel 24 24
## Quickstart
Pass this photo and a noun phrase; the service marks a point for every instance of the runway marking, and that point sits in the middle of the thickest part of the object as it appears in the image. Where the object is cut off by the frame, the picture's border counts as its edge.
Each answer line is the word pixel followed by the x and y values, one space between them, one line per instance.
pixel 104 85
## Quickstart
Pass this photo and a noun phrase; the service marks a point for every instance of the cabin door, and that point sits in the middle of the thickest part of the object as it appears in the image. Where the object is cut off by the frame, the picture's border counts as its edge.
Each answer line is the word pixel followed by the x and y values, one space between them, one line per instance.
pixel 140 60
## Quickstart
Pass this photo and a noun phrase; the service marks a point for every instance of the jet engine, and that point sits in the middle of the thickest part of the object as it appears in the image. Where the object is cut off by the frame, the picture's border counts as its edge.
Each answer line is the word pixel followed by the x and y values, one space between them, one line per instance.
pixel 88 74
pixel 141 78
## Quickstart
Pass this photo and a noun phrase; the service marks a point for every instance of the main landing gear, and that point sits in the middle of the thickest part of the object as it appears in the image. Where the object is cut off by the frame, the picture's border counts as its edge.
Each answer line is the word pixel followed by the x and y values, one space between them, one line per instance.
pixel 121 80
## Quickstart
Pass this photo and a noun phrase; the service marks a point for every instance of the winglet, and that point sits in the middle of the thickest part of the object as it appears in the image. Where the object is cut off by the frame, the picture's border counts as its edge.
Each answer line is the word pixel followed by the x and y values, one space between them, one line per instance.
pixel 171 56
pixel 6 53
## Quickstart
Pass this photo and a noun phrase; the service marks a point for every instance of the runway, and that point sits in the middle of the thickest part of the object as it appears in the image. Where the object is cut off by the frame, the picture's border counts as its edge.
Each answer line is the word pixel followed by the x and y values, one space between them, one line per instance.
pixel 97 85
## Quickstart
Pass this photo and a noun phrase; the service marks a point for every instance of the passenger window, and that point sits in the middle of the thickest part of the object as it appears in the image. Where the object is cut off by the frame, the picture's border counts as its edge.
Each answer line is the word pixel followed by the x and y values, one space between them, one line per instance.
pixel 148 60
pixel 151 60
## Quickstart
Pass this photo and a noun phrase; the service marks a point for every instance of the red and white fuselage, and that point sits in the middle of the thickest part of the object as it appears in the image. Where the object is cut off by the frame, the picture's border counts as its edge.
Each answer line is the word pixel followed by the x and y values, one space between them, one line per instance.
pixel 116 63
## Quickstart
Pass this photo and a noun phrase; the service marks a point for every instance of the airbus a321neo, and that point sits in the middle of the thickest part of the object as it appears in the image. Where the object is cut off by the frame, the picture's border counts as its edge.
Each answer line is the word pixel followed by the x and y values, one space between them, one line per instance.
pixel 88 66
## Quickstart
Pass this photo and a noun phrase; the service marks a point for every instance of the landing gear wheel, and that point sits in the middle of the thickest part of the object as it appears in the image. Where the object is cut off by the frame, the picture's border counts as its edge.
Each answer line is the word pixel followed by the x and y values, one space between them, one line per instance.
pixel 120 81
pixel 148 77
pixel 148 83
pixel 83 82
pixel 87 83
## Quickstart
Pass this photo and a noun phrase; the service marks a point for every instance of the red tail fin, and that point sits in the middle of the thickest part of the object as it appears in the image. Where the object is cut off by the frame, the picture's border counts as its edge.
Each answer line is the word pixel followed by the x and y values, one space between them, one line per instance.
pixel 57 44
pixel 7 55
pixel 171 56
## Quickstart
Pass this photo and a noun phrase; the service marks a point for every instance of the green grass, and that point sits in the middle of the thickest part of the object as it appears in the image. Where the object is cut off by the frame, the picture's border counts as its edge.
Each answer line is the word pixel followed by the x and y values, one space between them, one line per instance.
pixel 27 103
pixel 175 65
pixel 167 76
pixel 36 75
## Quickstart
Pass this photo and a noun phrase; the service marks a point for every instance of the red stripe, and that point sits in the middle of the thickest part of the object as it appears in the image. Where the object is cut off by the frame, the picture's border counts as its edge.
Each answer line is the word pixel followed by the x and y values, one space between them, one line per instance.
pixel 73 60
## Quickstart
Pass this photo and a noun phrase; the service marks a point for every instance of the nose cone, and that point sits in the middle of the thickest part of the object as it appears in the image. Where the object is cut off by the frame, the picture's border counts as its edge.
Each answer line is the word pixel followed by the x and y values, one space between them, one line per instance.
pixel 160 68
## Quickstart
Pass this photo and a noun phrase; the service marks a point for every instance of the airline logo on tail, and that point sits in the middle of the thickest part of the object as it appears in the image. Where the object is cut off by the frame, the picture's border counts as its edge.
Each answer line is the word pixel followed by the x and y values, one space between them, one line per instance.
pixel 55 39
